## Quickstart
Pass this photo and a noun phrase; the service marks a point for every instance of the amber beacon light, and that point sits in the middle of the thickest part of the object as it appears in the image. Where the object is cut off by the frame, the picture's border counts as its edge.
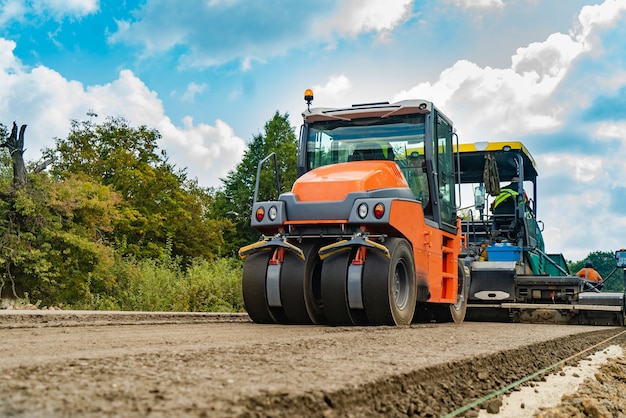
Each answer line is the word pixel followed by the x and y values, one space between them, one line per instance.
pixel 308 97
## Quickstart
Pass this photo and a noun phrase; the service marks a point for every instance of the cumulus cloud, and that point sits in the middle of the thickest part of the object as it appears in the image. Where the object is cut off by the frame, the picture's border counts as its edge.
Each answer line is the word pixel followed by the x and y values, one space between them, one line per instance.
pixel 575 195
pixel 66 7
pixel 11 10
pixel 477 4
pixel 521 95
pixel 58 9
pixel 597 16
pixel 192 90
pixel 612 130
pixel 518 99
pixel 262 29
pixel 334 90
pixel 51 102
pixel 354 17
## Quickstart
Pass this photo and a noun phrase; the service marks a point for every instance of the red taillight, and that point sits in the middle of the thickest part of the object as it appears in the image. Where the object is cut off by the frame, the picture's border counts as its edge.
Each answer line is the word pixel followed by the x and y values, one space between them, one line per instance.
pixel 379 210
pixel 260 214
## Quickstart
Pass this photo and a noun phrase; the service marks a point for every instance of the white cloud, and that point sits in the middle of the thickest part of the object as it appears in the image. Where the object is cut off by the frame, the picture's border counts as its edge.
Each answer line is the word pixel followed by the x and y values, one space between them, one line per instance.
pixel 354 17
pixel 600 15
pixel 192 90
pixel 502 99
pixel 477 4
pixel 19 9
pixel 210 150
pixel 67 7
pixel 334 91
pixel 11 10
pixel 260 31
pixel 583 169
pixel 551 58
pixel 8 62
pixel 611 130
pixel 47 102
pixel 519 99
pixel 575 210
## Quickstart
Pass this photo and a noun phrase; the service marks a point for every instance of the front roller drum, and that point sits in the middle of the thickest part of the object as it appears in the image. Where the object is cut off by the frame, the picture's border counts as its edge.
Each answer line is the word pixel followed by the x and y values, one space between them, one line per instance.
pixel 335 289
pixel 254 288
pixel 389 285
pixel 300 286
pixel 260 289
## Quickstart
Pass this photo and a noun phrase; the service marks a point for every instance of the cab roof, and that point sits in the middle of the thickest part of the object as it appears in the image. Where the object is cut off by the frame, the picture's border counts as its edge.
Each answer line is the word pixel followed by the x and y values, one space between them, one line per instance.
pixel 381 109
pixel 472 160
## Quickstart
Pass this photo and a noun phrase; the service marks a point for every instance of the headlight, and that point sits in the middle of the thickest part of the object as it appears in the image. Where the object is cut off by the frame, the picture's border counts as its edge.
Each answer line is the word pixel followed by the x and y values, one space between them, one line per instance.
pixel 272 212
pixel 362 210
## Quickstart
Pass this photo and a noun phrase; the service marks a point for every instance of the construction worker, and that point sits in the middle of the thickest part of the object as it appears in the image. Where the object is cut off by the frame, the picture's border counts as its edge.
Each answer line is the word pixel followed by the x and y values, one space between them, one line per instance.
pixel 591 275
pixel 503 206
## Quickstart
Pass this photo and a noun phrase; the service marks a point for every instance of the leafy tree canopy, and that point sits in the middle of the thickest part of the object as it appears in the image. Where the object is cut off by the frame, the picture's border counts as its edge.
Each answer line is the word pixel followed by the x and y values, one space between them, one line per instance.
pixel 159 204
pixel 51 239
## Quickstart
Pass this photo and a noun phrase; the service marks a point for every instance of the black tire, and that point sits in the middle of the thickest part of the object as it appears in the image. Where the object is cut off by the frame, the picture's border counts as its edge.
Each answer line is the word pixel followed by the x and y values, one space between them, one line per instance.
pixel 389 286
pixel 335 289
pixel 459 309
pixel 300 286
pixel 253 287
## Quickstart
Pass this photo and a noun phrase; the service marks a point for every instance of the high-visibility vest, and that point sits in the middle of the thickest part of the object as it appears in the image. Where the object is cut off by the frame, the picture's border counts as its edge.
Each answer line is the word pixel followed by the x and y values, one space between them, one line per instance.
pixel 504 195
pixel 589 273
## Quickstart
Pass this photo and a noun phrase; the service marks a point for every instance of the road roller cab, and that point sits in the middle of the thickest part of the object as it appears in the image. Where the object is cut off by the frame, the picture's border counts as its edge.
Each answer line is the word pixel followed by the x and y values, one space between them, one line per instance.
pixel 369 233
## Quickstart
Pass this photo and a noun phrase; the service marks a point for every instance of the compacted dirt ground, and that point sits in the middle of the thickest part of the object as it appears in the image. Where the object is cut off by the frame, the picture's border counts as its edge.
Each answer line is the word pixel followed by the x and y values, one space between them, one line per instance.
pixel 99 364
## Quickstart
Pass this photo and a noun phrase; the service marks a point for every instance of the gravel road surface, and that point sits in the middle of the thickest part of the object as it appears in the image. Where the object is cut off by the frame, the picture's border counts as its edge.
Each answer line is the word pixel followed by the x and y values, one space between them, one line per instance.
pixel 103 364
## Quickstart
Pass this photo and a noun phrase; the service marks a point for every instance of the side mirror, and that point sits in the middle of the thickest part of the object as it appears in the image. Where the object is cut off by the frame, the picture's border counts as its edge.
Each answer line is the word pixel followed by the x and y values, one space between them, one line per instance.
pixel 479 197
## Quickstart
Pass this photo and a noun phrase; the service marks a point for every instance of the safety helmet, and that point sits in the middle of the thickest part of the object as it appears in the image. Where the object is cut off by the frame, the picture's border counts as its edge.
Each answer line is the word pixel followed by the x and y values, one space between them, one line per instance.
pixel 588 263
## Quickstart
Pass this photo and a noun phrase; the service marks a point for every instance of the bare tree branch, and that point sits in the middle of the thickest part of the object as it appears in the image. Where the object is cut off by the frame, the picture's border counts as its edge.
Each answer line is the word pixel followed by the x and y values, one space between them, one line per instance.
pixel 15 145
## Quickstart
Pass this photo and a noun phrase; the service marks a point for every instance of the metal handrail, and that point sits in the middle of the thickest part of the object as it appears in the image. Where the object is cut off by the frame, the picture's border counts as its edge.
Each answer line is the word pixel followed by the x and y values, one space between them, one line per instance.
pixel 258 175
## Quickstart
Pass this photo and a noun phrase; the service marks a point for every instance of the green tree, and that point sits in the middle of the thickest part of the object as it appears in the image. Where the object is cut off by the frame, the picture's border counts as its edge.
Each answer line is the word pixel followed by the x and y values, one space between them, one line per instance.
pixel 5 160
pixel 159 205
pixel 233 202
pixel 51 245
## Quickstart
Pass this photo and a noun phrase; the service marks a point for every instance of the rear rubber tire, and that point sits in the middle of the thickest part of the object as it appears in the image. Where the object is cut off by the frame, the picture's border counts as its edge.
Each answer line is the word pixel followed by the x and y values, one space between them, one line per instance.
pixel 335 289
pixel 253 287
pixel 389 286
pixel 300 286
pixel 459 309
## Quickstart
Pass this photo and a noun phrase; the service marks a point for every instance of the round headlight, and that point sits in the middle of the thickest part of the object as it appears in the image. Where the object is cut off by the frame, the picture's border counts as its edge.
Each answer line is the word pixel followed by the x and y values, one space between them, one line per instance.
pixel 272 212
pixel 260 213
pixel 362 210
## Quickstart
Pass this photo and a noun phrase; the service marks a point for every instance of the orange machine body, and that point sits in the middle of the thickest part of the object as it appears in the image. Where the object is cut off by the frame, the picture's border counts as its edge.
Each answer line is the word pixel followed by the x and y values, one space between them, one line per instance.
pixel 435 251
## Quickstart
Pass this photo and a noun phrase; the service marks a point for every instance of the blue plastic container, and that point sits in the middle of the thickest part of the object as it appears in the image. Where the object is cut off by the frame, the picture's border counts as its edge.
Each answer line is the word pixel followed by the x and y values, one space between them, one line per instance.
pixel 504 252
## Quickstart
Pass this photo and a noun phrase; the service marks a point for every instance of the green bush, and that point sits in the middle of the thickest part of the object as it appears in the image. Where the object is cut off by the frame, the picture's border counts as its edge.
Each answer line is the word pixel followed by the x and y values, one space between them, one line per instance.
pixel 212 287
pixel 165 284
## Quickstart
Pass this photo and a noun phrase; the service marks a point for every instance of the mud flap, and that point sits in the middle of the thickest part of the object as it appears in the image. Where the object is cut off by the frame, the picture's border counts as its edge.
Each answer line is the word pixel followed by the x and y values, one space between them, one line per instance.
pixel 272 286
pixel 355 295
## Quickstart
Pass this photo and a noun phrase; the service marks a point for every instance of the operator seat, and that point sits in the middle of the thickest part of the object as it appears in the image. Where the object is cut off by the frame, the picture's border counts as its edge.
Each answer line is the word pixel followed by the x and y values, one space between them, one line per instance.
pixel 367 151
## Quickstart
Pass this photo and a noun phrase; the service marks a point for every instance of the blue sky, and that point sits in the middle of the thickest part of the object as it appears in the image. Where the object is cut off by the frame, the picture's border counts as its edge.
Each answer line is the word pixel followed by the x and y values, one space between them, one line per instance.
pixel 208 74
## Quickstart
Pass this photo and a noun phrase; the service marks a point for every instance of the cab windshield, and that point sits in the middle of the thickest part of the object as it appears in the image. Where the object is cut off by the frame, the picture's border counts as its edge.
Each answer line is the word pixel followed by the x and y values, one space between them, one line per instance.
pixel 396 138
